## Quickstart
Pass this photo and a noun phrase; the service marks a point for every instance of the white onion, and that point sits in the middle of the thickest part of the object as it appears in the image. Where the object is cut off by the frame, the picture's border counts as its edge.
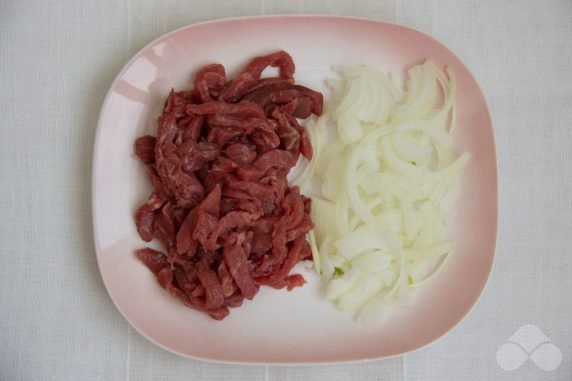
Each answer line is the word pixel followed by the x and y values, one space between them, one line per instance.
pixel 381 179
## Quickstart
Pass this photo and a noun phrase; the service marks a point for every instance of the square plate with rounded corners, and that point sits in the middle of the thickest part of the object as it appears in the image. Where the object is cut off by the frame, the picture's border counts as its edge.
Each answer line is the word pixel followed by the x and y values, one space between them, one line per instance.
pixel 280 327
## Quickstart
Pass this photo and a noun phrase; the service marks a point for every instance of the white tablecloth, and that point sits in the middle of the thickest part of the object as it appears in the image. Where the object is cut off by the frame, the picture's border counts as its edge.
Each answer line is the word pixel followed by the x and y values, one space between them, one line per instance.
pixel 57 60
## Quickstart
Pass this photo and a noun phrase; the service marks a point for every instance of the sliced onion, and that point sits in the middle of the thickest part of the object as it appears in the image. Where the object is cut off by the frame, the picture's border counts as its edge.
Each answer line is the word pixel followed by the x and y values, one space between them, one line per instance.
pixel 382 178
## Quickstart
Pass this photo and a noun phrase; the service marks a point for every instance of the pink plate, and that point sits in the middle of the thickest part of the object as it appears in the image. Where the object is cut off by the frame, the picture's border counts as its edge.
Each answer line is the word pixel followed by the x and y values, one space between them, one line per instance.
pixel 280 327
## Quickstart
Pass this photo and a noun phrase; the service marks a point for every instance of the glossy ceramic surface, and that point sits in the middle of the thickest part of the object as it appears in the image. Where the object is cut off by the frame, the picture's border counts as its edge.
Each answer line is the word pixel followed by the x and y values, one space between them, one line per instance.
pixel 281 327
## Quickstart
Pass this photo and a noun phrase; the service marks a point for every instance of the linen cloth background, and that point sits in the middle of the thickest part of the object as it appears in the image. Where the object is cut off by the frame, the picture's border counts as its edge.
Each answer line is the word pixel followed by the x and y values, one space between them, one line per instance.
pixel 57 60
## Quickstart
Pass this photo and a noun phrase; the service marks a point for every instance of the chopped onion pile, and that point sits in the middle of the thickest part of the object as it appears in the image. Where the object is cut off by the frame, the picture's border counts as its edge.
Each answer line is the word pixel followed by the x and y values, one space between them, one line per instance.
pixel 384 167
